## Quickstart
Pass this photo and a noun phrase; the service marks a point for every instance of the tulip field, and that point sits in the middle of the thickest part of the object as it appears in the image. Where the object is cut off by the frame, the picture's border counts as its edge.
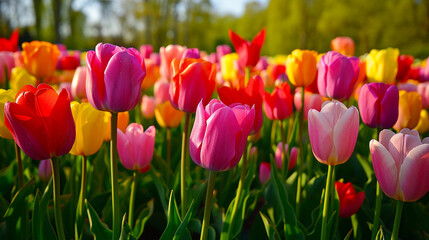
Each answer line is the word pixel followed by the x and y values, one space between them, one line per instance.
pixel 136 143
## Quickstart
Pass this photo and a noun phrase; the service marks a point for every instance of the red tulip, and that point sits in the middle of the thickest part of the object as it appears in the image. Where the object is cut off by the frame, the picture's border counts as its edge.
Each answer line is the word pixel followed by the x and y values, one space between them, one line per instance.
pixel 248 52
pixel 278 104
pixel 350 201
pixel 10 44
pixel 41 122
pixel 404 65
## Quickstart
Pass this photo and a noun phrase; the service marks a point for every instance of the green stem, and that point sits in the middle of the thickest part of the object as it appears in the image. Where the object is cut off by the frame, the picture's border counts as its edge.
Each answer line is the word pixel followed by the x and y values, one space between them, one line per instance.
pixel 208 205
pixel 57 204
pixel 397 223
pixel 376 222
pixel 168 151
pixel 132 200
pixel 185 142
pixel 6 77
pixel 285 158
pixel 273 132
pixel 78 226
pixel 20 167
pixel 114 176
pixel 326 202
pixel 300 160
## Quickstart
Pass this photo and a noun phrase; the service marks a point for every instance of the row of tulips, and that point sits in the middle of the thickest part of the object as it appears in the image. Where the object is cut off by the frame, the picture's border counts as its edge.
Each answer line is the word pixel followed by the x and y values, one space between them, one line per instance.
pixel 310 102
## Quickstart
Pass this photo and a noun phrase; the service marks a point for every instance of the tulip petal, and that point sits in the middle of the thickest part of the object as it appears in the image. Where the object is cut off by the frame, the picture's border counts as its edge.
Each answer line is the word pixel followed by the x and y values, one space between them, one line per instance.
pixel 385 136
pixel 389 107
pixel 95 88
pixel 197 134
pixel 400 145
pixel 125 150
pixel 320 132
pixel 347 125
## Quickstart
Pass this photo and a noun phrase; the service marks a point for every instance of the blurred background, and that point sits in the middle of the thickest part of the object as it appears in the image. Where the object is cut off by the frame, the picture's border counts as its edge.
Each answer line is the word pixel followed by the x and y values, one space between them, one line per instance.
pixel 290 24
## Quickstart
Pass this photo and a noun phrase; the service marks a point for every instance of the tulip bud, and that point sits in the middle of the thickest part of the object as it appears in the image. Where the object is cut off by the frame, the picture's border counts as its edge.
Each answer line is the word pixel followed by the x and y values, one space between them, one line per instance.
pixel 350 201
pixel 264 172
pixel 45 170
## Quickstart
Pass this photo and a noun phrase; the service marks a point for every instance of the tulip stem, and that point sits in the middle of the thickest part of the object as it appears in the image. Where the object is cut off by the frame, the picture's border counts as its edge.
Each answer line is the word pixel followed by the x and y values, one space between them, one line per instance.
pixel 114 176
pixel 185 142
pixel 132 200
pixel 208 205
pixel 300 159
pixel 376 222
pixel 169 148
pixel 397 223
pixel 6 77
pixel 326 202
pixel 57 204
pixel 79 216
pixel 285 159
pixel 273 132
pixel 20 167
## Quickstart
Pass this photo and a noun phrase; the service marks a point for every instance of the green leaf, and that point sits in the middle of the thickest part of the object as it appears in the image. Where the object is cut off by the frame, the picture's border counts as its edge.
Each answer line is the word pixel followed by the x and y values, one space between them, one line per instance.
pixel 161 188
pixel 348 235
pixel 270 228
pixel 142 219
pixel 99 229
pixel 292 137
pixel 380 235
pixel 125 230
pixel 42 227
pixel 182 229
pixel 18 200
pixel 173 219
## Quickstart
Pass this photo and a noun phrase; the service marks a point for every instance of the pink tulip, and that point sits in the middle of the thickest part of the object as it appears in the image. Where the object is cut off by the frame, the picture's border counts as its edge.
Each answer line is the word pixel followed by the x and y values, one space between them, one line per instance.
pixel 167 55
pixel 409 87
pixel 146 50
pixel 135 147
pixel 78 87
pixel 292 157
pixel 45 170
pixel 148 106
pixel 264 172
pixel 114 77
pixel 161 91
pixel 219 135
pixel 222 50
pixel 333 132
pixel 6 62
pixel 311 101
pixel 423 90
pixel 401 164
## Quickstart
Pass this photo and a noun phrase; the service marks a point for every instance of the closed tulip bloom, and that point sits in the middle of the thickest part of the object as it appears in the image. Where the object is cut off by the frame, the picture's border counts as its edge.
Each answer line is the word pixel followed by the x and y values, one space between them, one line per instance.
pixel 123 119
pixel 401 164
pixel 410 105
pixel 135 147
pixel 311 101
pixel 114 77
pixel 219 135
pixel 148 106
pixel 292 156
pixel 40 58
pixel 248 52
pixel 337 75
pixel 404 65
pixel 350 201
pixel 192 80
pixel 343 45
pixel 423 125
pixel 167 55
pixel 5 96
pixel 222 50
pixel 11 44
pixel 264 172
pixel 301 67
pixel 20 77
pixel 78 87
pixel 45 170
pixel 278 104
pixel 378 104
pixel 90 129
pixel 7 62
pixel 423 90
pixel 161 91
pixel 68 60
pixel 41 122
pixel 146 50
pixel 382 65
pixel 168 116
pixel 333 132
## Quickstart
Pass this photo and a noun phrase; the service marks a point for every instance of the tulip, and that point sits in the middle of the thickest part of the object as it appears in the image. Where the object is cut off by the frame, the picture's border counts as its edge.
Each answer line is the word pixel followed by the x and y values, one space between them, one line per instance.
pixel 423 72
pixel 251 95
pixel 78 87
pixel 19 60
pixel 6 64
pixel 5 96
pixel 408 86
pixel 40 58
pixel 311 101
pixel 248 52
pixel 148 106
pixel 264 172
pixel 337 75
pixel 382 65
pixel 146 50
pixel 156 59
pixel 410 105
pixel 222 50
pixel 45 170
pixel 278 104
pixel 192 80
pixel 262 64
pixel 229 68
pixel 401 164
pixel 167 55
pixel 343 45
pixel 350 201
pixel 68 60
pixel 301 67
pixel 404 65
pixel 378 105
pixel 20 77
pixel 167 116
pixel 41 122
pixel 161 91
pixel 277 71
pixel 219 128
pixel 423 90
pixel 327 129
pixel 152 74
pixel 191 53
pixel 90 129
pixel 423 125
pixel 292 158
pixel 123 119
pixel 11 44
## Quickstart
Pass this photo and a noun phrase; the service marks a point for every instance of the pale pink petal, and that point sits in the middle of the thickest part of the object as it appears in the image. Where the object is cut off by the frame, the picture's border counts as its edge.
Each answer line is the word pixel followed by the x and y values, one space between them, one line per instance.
pixel 197 134
pixel 400 144
pixel 385 136
pixel 320 132
pixel 345 134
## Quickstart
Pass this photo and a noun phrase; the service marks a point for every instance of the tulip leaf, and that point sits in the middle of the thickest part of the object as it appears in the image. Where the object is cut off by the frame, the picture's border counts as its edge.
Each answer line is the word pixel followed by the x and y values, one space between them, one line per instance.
pixel 173 219
pixel 144 215
pixel 270 228
pixel 161 188
pixel 125 230
pixel 347 237
pixel 41 225
pixel 18 200
pixel 292 137
pixel 380 234
pixel 98 228
pixel 182 229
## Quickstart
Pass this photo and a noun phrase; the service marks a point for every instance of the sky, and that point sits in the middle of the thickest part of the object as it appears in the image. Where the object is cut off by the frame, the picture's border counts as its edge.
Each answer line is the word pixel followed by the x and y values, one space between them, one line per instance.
pixel 235 7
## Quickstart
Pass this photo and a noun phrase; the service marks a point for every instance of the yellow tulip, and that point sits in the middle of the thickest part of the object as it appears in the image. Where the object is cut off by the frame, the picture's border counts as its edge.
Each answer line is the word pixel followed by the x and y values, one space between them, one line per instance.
pixel 90 128
pixel 167 116
pixel 410 105
pixel 301 67
pixel 279 59
pixel 382 65
pixel 423 125
pixel 40 58
pixel 5 96
pixel 229 72
pixel 20 77
pixel 123 119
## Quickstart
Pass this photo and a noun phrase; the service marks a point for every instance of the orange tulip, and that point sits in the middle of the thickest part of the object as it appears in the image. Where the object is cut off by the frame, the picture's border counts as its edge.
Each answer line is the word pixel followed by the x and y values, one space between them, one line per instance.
pixel 123 119
pixel 167 116
pixel 301 67
pixel 152 74
pixel 410 105
pixel 40 58
pixel 343 45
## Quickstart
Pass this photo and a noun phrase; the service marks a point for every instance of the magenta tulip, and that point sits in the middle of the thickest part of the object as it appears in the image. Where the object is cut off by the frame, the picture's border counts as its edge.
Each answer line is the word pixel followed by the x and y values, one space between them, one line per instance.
pixel 219 134
pixel 135 147
pixel 333 132
pixel 292 156
pixel 114 77
pixel 191 53
pixel 378 104
pixel 401 164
